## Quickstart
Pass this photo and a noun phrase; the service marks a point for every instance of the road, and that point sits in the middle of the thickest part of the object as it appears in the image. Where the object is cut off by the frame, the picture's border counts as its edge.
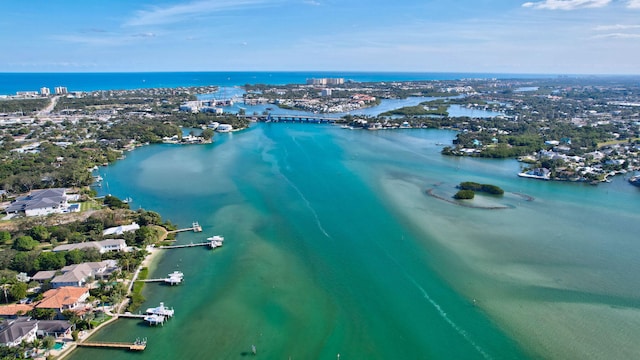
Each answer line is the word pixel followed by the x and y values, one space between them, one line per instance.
pixel 49 108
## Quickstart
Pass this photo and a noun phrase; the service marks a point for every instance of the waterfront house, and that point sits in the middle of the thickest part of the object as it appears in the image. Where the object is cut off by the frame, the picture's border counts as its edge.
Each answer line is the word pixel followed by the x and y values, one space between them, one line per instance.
pixel 14 332
pixel 119 230
pixel 56 328
pixel 40 202
pixel 102 246
pixel 78 275
pixel 15 310
pixel 64 298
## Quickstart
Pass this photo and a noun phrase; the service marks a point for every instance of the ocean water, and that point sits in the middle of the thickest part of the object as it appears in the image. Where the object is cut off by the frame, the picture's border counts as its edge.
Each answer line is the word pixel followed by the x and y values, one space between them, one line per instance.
pixel 333 246
pixel 10 83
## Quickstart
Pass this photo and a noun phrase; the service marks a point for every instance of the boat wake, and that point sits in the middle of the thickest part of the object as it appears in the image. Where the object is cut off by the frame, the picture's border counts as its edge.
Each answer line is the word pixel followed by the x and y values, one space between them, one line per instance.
pixel 443 314
pixel 315 214
pixel 277 170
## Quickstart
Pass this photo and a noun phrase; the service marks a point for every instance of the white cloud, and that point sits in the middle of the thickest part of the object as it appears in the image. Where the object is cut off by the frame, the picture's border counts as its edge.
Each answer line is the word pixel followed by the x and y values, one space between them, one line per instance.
pixel 617 36
pixel 106 39
pixel 178 13
pixel 312 2
pixel 568 4
pixel 616 27
pixel 633 4
pixel 144 35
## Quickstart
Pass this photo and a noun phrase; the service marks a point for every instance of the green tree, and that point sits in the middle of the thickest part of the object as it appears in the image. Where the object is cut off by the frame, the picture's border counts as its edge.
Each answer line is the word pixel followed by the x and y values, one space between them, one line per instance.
pixel 464 194
pixel 146 235
pixel 40 233
pixel 149 218
pixel 207 133
pixel 25 243
pixel 24 262
pixel 50 261
pixel 18 290
pixel 115 203
pixel 48 342
pixel 75 256
pixel 5 237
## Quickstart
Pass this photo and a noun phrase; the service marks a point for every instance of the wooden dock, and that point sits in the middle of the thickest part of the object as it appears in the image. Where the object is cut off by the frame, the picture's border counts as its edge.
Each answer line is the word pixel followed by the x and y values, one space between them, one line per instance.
pixel 131 316
pixel 134 346
pixel 212 242
pixel 183 246
pixel 174 278
pixel 195 227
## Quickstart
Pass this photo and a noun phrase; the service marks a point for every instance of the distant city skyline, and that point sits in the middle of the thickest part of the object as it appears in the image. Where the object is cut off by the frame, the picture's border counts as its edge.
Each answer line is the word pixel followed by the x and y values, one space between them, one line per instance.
pixel 497 36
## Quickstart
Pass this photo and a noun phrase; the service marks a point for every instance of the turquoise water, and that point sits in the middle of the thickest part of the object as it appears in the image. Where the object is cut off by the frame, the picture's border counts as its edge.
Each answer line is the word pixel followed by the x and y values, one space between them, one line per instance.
pixel 333 247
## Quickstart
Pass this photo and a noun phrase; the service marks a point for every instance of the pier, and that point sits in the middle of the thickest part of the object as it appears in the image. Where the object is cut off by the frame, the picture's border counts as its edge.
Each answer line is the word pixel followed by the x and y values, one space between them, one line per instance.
pixel 153 316
pixel 212 242
pixel 138 345
pixel 174 278
pixel 131 316
pixel 195 227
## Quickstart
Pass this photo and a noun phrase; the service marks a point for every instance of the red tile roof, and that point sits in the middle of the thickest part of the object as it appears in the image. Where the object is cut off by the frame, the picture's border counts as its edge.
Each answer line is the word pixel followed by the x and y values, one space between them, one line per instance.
pixel 61 297
pixel 13 309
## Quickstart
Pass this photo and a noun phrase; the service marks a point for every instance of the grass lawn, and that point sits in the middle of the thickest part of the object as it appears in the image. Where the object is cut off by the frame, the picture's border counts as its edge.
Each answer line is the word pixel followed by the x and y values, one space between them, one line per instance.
pixel 613 142
pixel 89 205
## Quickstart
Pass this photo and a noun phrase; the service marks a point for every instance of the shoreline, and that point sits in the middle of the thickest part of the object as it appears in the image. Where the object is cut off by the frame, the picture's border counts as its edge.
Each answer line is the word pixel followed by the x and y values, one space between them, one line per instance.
pixel 149 261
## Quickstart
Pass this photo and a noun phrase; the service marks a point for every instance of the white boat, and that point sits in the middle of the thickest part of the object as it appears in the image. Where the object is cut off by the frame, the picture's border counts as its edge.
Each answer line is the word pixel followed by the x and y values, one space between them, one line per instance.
pixel 154 319
pixel 215 241
pixel 160 310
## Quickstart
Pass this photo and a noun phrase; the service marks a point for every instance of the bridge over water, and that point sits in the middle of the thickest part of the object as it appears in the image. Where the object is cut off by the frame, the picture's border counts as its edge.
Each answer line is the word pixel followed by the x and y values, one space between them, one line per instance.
pixel 308 118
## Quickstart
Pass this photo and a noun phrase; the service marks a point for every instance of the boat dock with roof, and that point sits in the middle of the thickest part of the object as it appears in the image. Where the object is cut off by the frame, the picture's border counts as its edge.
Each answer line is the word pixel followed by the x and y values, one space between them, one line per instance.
pixel 212 242
pixel 174 278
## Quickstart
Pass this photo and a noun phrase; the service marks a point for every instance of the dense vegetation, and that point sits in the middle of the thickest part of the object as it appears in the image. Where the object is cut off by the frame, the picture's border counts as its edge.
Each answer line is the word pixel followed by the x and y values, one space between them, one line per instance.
pixel 464 195
pixel 486 188
pixel 23 248
pixel 52 166
pixel 418 110
pixel 22 106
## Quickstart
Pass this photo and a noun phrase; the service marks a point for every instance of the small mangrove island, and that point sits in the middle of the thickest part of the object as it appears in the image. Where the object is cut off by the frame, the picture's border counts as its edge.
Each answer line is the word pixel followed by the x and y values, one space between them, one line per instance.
pixel 468 189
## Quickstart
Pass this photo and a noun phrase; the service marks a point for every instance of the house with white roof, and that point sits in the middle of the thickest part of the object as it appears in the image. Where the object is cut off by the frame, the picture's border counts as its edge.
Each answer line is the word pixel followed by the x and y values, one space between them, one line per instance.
pixel 119 230
pixel 102 246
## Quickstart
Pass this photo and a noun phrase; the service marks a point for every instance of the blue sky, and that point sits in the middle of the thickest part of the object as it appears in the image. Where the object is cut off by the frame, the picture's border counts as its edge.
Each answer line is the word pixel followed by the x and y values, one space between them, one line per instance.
pixel 504 36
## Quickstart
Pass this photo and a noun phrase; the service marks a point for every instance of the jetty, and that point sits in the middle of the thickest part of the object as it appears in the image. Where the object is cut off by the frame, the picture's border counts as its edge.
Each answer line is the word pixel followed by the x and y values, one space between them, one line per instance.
pixel 212 242
pixel 174 278
pixel 138 345
pixel 195 227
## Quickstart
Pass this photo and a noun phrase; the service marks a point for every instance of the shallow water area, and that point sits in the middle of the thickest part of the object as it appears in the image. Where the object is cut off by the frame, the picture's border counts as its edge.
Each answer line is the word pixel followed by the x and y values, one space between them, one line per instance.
pixel 332 245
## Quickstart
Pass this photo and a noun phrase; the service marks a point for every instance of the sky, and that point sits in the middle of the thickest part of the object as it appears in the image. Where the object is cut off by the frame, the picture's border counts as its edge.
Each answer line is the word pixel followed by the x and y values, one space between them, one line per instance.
pixel 497 36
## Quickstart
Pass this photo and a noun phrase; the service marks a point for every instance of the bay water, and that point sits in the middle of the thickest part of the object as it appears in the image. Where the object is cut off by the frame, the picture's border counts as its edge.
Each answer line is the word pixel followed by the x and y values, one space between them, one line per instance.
pixel 333 247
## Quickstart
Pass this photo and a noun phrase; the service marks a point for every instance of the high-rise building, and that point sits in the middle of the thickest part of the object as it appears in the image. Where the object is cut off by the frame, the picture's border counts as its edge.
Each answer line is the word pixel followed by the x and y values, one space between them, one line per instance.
pixel 45 91
pixel 335 81
pixel 325 81
pixel 61 90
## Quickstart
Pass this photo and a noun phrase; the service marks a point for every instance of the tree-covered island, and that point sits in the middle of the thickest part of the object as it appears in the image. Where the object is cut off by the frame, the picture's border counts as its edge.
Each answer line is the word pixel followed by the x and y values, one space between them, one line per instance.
pixel 469 188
